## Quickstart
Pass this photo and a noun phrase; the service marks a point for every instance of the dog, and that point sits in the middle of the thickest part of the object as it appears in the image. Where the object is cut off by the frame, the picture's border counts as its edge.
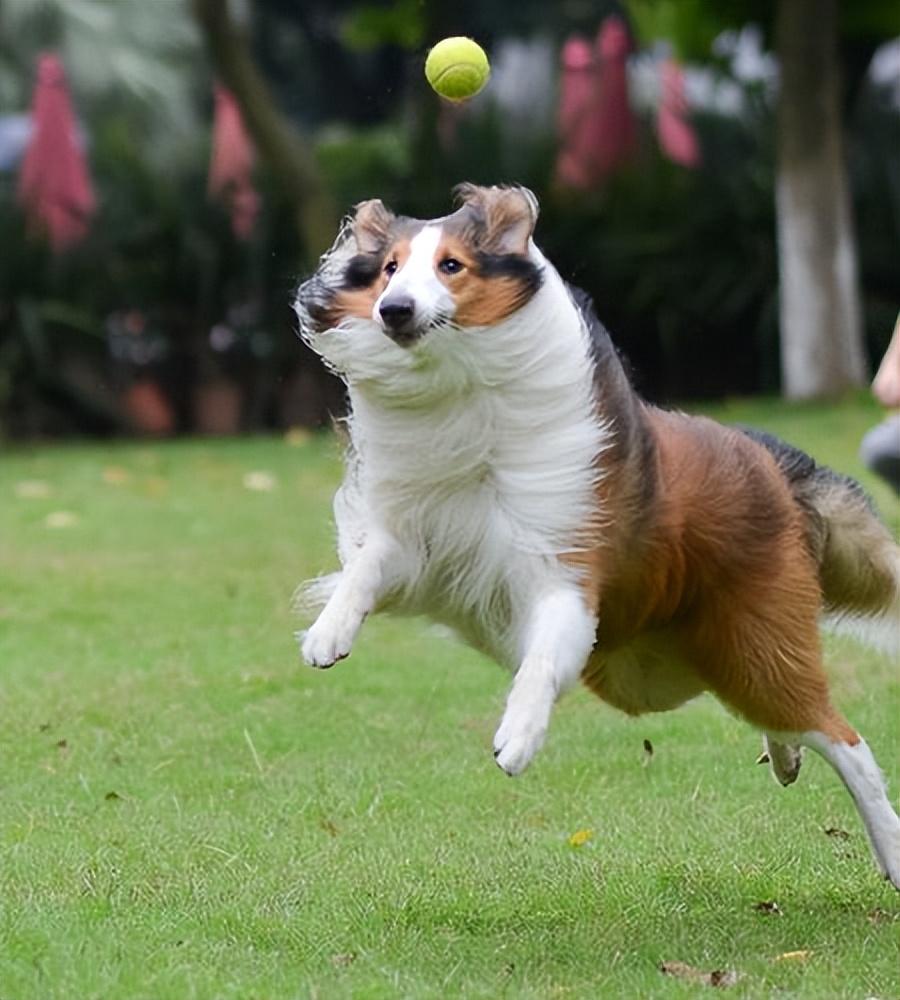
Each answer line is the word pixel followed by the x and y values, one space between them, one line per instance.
pixel 504 478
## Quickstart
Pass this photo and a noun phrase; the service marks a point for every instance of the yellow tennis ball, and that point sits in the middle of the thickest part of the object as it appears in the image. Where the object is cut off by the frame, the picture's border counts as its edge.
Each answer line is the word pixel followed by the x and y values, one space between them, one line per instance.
pixel 457 68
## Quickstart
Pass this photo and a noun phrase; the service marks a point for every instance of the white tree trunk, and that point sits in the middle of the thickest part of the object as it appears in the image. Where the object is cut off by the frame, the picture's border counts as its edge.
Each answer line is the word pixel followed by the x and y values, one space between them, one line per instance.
pixel 821 331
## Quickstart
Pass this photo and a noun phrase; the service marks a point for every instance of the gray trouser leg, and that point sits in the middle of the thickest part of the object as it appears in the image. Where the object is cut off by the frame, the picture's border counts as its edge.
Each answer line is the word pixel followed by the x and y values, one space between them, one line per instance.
pixel 880 450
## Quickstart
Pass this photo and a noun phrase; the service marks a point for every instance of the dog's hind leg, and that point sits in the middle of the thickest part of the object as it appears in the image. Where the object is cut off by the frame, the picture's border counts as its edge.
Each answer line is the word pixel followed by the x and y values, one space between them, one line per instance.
pixel 824 730
pixel 768 666
pixel 558 639
pixel 849 755
pixel 784 759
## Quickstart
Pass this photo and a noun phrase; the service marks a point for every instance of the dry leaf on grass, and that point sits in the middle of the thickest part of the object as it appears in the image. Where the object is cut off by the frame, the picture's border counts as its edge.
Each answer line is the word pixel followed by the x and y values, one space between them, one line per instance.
pixel 717 977
pixel 33 489
pixel 260 482
pixel 115 475
pixel 61 519
pixel 296 437
pixel 580 837
pixel 768 906
pixel 793 956
pixel 155 486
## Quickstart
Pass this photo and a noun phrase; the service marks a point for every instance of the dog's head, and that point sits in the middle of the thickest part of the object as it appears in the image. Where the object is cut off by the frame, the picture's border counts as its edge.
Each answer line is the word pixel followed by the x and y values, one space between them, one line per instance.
pixel 469 269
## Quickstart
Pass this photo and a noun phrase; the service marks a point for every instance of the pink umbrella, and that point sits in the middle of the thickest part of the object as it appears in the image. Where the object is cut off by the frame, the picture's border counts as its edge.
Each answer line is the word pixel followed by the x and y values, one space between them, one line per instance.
pixel 231 165
pixel 54 184
pixel 615 139
pixel 677 137
pixel 595 117
pixel 576 94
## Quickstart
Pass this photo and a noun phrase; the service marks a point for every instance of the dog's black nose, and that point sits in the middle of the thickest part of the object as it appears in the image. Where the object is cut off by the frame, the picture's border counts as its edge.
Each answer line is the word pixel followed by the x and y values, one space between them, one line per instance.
pixel 396 313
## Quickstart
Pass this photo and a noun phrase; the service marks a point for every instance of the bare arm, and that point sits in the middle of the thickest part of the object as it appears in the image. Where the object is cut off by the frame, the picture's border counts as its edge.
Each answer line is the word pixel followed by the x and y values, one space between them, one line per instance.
pixel 886 386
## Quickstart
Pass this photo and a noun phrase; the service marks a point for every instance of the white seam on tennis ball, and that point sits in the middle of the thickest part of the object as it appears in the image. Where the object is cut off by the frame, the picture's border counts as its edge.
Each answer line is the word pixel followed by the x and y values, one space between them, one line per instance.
pixel 457 67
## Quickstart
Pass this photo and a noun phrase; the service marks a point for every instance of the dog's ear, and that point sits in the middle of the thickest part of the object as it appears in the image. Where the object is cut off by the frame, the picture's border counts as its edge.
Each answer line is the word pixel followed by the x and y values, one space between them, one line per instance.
pixel 506 215
pixel 371 225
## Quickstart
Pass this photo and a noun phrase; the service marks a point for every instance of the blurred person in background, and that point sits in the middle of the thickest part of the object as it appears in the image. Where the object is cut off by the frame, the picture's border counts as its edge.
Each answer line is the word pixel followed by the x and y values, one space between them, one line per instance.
pixel 880 448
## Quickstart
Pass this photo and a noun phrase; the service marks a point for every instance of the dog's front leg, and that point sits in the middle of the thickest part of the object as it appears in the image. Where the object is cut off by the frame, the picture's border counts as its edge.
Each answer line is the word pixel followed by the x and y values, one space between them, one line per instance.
pixel 365 578
pixel 558 640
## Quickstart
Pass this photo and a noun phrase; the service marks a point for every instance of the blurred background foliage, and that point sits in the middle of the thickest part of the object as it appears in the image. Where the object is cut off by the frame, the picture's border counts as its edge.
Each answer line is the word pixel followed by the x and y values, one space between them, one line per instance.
pixel 681 263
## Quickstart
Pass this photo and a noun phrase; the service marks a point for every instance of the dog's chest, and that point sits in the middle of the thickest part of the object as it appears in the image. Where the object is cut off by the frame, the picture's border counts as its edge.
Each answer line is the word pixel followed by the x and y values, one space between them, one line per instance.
pixel 456 505
pixel 484 507
pixel 469 482
pixel 474 556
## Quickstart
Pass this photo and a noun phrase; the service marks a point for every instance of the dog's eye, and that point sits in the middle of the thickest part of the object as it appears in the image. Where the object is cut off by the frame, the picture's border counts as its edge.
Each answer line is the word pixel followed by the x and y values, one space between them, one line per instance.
pixel 390 268
pixel 450 265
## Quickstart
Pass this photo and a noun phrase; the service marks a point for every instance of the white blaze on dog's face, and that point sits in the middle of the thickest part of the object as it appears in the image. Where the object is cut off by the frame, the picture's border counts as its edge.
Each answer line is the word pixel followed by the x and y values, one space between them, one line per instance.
pixel 414 298
pixel 469 269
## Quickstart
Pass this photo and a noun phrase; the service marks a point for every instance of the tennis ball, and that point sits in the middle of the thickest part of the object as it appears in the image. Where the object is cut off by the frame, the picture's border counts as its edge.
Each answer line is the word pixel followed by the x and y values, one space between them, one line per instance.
pixel 457 68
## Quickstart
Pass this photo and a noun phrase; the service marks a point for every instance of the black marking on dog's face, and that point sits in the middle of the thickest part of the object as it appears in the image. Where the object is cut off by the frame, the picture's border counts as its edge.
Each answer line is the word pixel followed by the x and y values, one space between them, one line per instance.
pixel 520 269
pixel 363 270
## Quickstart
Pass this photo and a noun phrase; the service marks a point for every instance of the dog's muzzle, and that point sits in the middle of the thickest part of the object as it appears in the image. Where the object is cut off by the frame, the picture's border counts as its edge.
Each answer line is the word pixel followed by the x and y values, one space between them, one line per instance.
pixel 398 318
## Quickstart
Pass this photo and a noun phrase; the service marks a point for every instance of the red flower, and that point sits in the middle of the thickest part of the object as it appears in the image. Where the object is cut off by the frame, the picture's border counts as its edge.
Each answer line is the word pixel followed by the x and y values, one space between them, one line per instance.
pixel 54 184
pixel 231 165
pixel 595 117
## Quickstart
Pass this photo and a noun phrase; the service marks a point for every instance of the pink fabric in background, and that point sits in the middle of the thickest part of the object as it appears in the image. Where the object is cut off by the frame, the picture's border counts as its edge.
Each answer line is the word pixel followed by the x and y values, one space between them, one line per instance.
pixel 54 184
pixel 677 137
pixel 596 123
pixel 231 165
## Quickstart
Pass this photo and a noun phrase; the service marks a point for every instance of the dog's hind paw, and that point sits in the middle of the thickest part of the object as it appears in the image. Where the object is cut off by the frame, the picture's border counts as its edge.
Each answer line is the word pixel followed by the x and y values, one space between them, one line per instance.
pixel 784 759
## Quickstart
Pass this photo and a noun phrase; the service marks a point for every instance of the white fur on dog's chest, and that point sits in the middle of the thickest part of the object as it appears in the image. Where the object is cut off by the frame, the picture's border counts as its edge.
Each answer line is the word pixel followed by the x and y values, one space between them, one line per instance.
pixel 475 557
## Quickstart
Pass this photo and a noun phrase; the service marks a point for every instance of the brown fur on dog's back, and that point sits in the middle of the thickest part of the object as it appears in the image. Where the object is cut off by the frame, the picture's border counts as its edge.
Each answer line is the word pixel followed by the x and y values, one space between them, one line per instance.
pixel 721 577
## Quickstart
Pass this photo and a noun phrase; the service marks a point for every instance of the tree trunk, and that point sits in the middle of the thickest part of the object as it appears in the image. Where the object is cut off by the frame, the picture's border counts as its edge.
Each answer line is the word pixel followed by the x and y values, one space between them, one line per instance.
pixel 279 143
pixel 821 336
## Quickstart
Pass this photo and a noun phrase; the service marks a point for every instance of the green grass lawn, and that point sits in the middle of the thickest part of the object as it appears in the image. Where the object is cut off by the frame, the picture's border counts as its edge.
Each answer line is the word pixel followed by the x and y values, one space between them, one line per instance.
pixel 187 812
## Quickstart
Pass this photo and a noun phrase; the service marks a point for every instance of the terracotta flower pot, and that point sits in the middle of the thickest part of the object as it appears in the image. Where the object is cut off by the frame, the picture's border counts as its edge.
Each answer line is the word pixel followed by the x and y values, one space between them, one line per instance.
pixel 147 408
pixel 217 407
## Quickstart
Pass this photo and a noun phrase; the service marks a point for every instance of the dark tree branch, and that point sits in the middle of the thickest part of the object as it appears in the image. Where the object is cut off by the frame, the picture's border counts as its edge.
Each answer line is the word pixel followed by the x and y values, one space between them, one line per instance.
pixel 279 143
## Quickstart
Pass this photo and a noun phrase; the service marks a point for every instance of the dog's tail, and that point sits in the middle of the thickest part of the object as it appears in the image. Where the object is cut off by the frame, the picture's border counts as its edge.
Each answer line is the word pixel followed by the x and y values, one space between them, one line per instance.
pixel 859 562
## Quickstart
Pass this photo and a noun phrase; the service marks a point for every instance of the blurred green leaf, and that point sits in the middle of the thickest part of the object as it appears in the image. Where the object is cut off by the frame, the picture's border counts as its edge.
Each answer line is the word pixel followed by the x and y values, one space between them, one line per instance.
pixel 370 26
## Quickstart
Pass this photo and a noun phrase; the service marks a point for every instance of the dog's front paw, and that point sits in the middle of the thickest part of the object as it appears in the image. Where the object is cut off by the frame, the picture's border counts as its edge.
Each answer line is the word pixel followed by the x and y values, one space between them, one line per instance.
pixel 520 736
pixel 323 645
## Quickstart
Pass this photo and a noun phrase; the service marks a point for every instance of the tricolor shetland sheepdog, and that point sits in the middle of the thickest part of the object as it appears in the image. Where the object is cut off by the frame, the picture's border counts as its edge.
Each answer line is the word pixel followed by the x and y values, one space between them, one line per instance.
pixel 504 478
